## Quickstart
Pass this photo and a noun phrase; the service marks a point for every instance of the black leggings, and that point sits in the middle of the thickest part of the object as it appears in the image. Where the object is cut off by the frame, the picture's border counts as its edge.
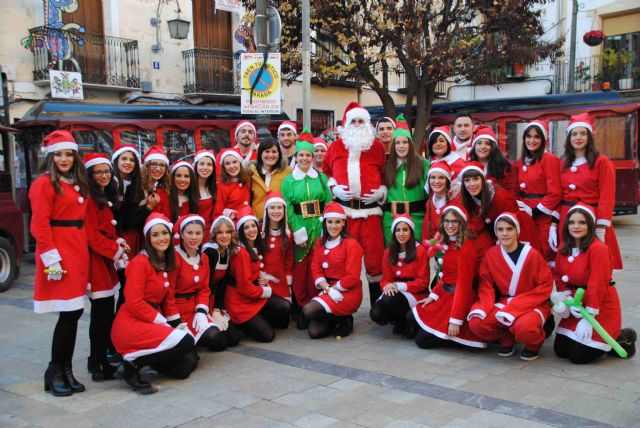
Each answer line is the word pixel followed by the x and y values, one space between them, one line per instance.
pixel 177 362
pixel 576 352
pixel 390 309
pixel 321 322
pixel 216 340
pixel 274 314
pixel 100 328
pixel 123 279
pixel 64 336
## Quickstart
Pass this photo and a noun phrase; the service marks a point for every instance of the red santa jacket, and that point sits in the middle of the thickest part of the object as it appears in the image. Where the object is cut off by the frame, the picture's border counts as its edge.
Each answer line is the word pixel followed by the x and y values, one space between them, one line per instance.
pixel 247 298
pixel 233 195
pixel 412 277
pixel 431 222
pixel 192 279
pixel 508 182
pixel 539 183
pixel 279 264
pixel 105 249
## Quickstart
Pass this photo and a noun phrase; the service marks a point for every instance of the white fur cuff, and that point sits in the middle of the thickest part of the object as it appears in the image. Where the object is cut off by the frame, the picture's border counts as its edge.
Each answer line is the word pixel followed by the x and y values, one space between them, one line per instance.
pixel 50 257
pixel 300 236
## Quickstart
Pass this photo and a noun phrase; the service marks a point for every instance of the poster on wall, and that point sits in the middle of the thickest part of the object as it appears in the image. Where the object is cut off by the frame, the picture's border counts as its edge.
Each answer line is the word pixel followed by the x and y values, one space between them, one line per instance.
pixel 233 6
pixel 261 84
pixel 66 85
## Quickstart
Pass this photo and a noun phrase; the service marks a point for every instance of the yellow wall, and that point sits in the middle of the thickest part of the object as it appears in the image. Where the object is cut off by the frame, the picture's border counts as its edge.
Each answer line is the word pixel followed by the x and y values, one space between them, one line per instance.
pixel 623 24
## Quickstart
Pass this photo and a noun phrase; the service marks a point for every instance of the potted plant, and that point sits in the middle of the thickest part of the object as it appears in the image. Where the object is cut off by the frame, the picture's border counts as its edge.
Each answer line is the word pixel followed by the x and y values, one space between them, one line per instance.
pixel 593 38
pixel 597 82
pixel 582 75
pixel 625 81
pixel 517 68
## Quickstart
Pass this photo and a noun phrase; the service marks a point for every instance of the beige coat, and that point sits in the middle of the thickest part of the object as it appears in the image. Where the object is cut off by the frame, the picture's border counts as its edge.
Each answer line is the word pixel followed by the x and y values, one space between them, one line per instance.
pixel 259 189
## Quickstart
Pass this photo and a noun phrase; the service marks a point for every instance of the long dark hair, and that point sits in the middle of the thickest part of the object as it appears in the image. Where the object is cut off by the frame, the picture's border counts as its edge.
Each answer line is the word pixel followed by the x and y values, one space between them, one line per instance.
pixel 102 198
pixel 134 193
pixel 266 145
pixel 468 200
pixel 191 193
pixel 258 249
pixel 325 232
pixel 415 167
pixel 569 241
pixel 78 173
pixel 497 164
pixel 570 154
pixel 394 248
pixel 432 139
pixel 464 232
pixel 537 155
pixel 169 262
pixel 211 182
pixel 199 249
pixel 284 242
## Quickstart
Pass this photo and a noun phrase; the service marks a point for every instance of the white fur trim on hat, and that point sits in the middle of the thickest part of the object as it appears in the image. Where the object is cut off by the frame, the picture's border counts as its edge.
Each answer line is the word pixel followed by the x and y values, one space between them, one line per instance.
pixel 440 170
pixel 244 123
pixel 218 220
pixel 510 217
pixel 121 150
pixel 357 113
pixel 96 161
pixel 444 134
pixel 575 207
pixel 409 221
pixel 333 215
pixel 199 156
pixel 190 219
pixel 155 221
pixel 179 164
pixel 456 209
pixel 386 119
pixel 233 153
pixel 577 124
pixel 157 156
pixel 473 168
pixel 271 201
pixel 287 126
pixel 537 125
pixel 245 219
pixel 483 136
pixel 63 145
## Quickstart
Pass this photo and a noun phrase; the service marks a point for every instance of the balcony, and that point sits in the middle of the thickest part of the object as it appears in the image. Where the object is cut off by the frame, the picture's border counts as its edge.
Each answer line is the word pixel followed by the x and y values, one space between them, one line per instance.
pixel 104 61
pixel 211 73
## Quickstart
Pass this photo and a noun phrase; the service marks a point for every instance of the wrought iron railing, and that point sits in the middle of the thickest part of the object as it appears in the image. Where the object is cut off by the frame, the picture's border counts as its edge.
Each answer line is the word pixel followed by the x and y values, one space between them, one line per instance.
pixel 591 72
pixel 101 59
pixel 211 71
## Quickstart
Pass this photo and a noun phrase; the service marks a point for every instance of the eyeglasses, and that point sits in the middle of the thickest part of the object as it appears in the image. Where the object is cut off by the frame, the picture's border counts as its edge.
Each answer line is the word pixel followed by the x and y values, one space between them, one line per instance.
pixel 106 173
pixel 451 222
pixel 157 165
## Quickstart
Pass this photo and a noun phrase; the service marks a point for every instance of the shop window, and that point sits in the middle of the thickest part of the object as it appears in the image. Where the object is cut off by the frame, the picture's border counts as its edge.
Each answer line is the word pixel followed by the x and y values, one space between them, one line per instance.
pixel 179 144
pixel 141 138
pixel 214 139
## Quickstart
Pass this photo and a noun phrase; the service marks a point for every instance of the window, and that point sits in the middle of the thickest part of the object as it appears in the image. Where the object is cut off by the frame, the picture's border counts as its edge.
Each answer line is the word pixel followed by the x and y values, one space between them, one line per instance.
pixel 320 120
pixel 140 138
pixel 611 138
pixel 214 139
pixel 94 141
pixel 179 144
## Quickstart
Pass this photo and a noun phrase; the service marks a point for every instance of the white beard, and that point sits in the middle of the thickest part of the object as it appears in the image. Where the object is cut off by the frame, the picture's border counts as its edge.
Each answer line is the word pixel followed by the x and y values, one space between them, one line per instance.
pixel 358 139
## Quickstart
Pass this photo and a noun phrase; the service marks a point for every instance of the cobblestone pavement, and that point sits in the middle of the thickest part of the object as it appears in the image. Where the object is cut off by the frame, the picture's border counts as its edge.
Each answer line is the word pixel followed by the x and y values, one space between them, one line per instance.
pixel 370 378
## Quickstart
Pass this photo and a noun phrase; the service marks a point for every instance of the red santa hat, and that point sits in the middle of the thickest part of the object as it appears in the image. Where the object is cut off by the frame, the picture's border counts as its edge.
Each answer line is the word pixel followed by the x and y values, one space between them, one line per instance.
pixel 242 124
pixel 155 153
pixel 442 167
pixel 355 111
pixel 59 139
pixel 180 164
pixel 273 197
pixel 319 142
pixel 484 132
pixel 288 125
pixel 244 215
pixel 220 219
pixel 399 218
pixel 229 152
pixel 156 218
pixel 580 120
pixel 444 130
pixel 125 148
pixel 457 208
pixel 584 207
pixel 204 153
pixel 183 221
pixel 473 166
pixel 511 216
pixel 333 210
pixel 92 159
pixel 542 125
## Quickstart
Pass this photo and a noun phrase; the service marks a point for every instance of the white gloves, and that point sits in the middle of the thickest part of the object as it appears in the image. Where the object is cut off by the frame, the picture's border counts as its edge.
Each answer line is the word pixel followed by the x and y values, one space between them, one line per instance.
pixel 56 274
pixel 584 331
pixel 374 197
pixel 575 312
pixel 553 237
pixel 160 319
pixel 335 295
pixel 524 207
pixel 559 307
pixel 182 326
pixel 200 322
pixel 228 212
pixel 122 262
pixel 340 191
pixel 221 320
pixel 600 233
pixel 266 292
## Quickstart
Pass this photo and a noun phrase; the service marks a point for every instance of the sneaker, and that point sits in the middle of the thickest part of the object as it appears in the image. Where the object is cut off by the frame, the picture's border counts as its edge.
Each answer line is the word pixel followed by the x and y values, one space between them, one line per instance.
pixel 528 355
pixel 627 339
pixel 505 351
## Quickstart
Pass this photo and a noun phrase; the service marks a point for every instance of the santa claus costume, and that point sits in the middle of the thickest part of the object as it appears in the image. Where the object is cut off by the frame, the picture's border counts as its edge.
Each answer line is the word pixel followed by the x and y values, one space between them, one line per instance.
pixel 590 178
pixel 585 262
pixel 355 166
pixel 449 155
pixel 442 316
pixel 405 276
pixel 58 206
pixel 539 181
pixel 147 329
pixel 513 294
pixel 156 178
pixel 106 250
pixel 245 130
pixel 337 269
pixel 500 171
pixel 437 188
pixel 278 257
pixel 233 185
pixel 204 164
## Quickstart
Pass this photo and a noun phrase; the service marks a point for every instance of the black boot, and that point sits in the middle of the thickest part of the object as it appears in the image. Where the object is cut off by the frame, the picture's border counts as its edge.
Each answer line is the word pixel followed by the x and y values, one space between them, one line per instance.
pixel 131 374
pixel 374 292
pixel 104 371
pixel 627 339
pixel 71 380
pixel 55 382
pixel 92 365
pixel 344 327
pixel 112 356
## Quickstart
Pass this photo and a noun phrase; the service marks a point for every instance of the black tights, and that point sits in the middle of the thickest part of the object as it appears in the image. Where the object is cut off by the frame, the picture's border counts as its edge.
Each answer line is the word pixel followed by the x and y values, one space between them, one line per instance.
pixel 64 336
pixel 100 328
pixel 123 279
pixel 390 309
pixel 274 314
pixel 177 362
pixel 576 352
pixel 216 340
pixel 321 322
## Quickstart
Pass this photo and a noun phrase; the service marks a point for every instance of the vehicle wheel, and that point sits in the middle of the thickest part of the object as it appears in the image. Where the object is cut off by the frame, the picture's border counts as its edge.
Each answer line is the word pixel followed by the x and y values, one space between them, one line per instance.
pixel 7 264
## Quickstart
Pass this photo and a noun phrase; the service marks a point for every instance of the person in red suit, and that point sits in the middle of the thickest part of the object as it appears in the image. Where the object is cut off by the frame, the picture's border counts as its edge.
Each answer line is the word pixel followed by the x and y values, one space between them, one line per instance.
pixel 588 177
pixel 440 148
pixel 148 330
pixel 355 166
pixel 585 262
pixel 278 257
pixel 234 192
pixel 246 140
pixel 183 196
pixel 204 164
pixel 106 251
pixel 539 181
pixel 58 206
pixel 252 305
pixel 156 179
pixel 405 276
pixel 440 318
pixel 500 171
pixel 336 269
pixel 513 294
pixel 437 187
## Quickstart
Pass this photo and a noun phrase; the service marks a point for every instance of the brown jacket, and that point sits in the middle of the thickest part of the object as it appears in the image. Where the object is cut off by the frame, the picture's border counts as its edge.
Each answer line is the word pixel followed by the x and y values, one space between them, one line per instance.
pixel 259 189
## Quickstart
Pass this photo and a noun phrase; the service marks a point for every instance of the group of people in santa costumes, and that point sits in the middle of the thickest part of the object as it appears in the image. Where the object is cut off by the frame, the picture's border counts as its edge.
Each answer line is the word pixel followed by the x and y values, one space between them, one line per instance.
pixel 193 264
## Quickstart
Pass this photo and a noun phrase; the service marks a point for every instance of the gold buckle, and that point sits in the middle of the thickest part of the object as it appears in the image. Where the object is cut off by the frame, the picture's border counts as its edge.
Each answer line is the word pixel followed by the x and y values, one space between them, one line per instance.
pixel 400 207
pixel 310 209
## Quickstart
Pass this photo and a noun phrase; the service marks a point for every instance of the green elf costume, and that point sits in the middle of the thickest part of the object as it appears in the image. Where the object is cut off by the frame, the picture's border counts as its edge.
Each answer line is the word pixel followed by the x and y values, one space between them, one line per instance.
pixel 400 199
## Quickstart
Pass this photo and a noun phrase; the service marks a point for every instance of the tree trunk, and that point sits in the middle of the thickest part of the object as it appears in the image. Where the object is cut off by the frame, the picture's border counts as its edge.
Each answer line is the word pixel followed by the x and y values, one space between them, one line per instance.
pixel 425 94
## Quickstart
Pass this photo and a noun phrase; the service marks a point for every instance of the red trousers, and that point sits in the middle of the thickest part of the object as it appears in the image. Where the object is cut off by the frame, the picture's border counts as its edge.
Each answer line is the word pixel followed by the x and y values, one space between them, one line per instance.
pixel 526 329
pixel 368 233
pixel 303 285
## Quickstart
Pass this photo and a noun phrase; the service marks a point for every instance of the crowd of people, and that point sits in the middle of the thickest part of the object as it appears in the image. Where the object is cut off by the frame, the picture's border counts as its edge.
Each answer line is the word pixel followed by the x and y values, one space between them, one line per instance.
pixel 460 247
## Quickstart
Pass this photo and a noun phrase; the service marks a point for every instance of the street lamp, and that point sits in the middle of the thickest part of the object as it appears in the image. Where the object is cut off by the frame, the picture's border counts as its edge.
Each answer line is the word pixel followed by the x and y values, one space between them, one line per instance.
pixel 178 27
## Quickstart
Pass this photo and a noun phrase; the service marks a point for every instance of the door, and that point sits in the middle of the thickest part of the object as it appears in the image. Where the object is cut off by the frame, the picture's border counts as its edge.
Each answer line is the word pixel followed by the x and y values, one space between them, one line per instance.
pixel 90 48
pixel 213 53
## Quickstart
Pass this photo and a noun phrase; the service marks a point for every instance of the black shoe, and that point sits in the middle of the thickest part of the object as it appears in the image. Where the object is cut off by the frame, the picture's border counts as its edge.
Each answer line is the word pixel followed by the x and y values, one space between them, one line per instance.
pixel 303 322
pixel 528 355
pixel 112 356
pixel 104 371
pixel 505 351
pixel 399 328
pixel 627 339
pixel 344 327
pixel 71 380
pixel 131 375
pixel 55 382
pixel 92 365
pixel 548 327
